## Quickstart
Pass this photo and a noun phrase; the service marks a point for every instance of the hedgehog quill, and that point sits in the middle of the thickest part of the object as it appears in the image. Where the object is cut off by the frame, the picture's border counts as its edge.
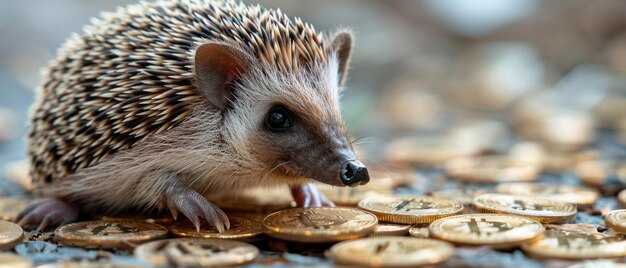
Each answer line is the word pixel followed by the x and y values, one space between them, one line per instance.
pixel 161 104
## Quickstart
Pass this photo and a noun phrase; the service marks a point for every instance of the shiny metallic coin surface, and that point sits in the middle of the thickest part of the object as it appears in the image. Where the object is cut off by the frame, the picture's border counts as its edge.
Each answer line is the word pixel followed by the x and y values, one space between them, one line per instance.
pixel 242 229
pixel 498 230
pixel 575 246
pixel 581 196
pixel 616 220
pixel 419 231
pixel 391 252
pixel 10 234
pixel 108 234
pixel 464 195
pixel 196 252
pixel 410 209
pixel 539 209
pixel 391 229
pixel 10 260
pixel 323 224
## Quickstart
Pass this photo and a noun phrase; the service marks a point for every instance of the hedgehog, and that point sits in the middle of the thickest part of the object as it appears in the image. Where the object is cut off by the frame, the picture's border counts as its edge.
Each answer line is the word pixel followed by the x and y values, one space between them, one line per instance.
pixel 160 105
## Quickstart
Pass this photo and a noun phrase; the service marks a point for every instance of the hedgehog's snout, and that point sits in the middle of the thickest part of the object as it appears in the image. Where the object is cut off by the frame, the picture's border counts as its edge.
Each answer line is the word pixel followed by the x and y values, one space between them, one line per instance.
pixel 353 173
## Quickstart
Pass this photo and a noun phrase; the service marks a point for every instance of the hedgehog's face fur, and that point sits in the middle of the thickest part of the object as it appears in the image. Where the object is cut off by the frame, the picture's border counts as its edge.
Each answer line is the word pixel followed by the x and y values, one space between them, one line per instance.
pixel 289 123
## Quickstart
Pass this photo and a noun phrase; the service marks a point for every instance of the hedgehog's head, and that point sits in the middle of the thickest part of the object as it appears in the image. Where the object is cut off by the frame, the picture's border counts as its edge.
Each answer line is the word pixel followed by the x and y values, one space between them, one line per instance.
pixel 285 118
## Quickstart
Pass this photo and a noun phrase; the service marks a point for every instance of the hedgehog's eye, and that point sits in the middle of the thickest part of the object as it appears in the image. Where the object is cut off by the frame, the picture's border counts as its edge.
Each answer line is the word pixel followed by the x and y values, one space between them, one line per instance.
pixel 277 119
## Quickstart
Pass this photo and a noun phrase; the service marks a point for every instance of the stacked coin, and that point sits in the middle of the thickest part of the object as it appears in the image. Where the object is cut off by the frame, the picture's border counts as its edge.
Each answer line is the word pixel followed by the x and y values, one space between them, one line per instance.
pixel 583 197
pixel 324 224
pixel 391 229
pixel 10 234
pixel 411 209
pixel 391 252
pixel 616 220
pixel 241 229
pixel 109 234
pixel 196 252
pixel 491 169
pixel 539 209
pixel 496 230
pixel 575 246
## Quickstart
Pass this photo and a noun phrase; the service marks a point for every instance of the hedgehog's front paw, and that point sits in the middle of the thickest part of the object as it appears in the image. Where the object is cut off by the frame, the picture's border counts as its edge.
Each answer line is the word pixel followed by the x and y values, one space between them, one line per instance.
pixel 306 195
pixel 194 206
pixel 47 212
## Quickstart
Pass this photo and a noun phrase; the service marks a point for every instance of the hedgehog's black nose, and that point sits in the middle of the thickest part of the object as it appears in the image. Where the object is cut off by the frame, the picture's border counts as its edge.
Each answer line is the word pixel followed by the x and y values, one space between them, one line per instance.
pixel 354 173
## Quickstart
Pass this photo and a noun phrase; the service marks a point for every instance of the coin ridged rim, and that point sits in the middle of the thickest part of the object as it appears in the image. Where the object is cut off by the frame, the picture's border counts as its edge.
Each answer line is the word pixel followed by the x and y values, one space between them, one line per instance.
pixel 615 249
pixel 396 230
pixel 581 199
pixel 408 218
pixel 613 222
pixel 441 251
pixel 7 227
pixel 435 231
pixel 64 235
pixel 319 236
pixel 481 204
pixel 248 232
pixel 147 251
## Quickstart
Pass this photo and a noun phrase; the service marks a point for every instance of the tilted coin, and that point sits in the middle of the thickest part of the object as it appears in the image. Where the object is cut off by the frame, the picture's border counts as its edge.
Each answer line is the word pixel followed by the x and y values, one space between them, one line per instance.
pixel 616 220
pixel 11 206
pixel 196 252
pixel 108 234
pixel 419 231
pixel 621 198
pixel 241 229
pixel 581 196
pixel 575 246
pixel 497 230
pixel 463 195
pixel 10 234
pixel 254 200
pixel 391 229
pixel 8 260
pixel 410 209
pixel 491 169
pixel 323 224
pixel 391 251
pixel 539 209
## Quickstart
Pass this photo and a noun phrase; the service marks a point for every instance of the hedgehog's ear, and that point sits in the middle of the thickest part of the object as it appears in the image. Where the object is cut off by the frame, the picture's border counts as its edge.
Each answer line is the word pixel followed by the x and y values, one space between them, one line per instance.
pixel 342 45
pixel 216 66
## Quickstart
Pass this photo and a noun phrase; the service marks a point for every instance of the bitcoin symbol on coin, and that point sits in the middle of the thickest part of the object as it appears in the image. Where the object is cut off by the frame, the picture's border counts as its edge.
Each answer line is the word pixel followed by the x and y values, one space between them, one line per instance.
pixel 483 227
pixel 115 228
pixel 521 205
pixel 319 221
pixel 575 240
pixel 412 204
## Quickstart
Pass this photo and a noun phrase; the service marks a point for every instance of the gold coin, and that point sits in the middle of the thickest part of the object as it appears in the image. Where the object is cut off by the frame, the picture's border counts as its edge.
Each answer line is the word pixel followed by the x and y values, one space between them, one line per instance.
pixel 254 200
pixel 539 209
pixel 411 209
pixel 8 260
pixel 391 251
pixel 616 220
pixel 419 231
pixel 575 246
pixel 90 264
pixel 324 224
pixel 10 234
pixel 11 206
pixel 241 229
pixel 621 198
pixel 496 230
pixel 598 172
pixel 463 195
pixel 351 196
pixel 196 252
pixel 491 169
pixel 391 229
pixel 108 234
pixel 598 264
pixel 581 196
pixel 162 219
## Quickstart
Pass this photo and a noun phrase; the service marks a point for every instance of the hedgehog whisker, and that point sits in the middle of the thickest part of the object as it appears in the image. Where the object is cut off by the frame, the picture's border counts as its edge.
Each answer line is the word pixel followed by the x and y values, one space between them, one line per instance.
pixel 272 170
pixel 365 140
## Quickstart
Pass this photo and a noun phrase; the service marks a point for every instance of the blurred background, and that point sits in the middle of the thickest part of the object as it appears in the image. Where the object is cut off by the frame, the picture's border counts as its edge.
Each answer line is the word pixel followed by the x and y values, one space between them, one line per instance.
pixel 456 77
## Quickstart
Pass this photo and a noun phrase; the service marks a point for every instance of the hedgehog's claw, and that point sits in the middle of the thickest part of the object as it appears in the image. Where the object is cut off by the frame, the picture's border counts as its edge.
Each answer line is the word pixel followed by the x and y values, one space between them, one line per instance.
pixel 194 206
pixel 306 195
pixel 47 212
